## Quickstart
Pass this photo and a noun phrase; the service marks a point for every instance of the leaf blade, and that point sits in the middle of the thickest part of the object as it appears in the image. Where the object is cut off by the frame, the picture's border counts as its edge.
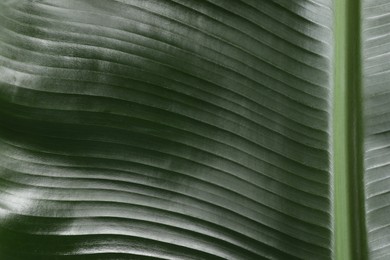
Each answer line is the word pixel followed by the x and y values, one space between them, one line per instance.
pixel 204 122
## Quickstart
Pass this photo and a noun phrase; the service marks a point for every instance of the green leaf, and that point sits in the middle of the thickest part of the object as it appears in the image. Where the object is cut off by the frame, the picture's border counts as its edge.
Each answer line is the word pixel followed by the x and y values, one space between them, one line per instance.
pixel 193 129
pixel 375 51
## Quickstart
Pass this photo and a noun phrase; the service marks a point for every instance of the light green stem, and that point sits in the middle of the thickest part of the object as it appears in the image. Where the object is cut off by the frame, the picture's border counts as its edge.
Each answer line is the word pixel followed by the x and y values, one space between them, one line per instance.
pixel 348 134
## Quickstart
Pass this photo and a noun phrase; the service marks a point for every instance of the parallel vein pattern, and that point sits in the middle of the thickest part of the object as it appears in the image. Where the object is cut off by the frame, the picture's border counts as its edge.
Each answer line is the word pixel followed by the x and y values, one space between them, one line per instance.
pixel 165 129
pixel 376 75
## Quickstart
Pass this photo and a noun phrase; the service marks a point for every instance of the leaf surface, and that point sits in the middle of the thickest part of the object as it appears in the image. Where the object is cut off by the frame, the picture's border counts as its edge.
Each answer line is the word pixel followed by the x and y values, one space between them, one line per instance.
pixel 376 78
pixel 166 129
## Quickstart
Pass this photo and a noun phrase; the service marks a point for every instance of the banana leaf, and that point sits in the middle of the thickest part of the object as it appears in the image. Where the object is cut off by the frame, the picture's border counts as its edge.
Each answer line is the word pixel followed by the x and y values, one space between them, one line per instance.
pixel 194 129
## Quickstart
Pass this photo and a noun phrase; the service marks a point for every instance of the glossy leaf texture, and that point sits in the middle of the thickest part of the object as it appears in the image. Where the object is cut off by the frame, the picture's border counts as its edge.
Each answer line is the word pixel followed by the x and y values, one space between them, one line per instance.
pixel 376 80
pixel 167 129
